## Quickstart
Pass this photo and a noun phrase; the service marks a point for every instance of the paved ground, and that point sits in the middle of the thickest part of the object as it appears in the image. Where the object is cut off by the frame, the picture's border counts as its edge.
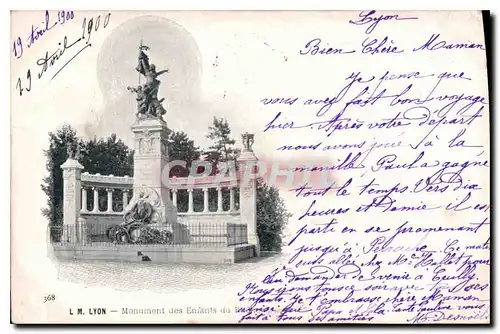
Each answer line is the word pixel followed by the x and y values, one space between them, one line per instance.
pixel 166 277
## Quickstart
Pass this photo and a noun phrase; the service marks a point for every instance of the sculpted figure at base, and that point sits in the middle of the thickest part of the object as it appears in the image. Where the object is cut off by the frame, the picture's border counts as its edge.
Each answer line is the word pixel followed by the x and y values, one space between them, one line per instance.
pixel 136 220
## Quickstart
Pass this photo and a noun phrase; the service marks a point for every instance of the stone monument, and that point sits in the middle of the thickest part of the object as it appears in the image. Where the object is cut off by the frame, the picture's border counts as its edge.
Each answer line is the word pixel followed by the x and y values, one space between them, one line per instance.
pixel 151 205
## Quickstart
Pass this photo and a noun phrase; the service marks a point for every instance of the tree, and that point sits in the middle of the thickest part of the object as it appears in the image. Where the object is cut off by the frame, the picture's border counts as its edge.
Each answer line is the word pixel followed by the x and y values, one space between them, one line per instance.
pixel 272 217
pixel 181 147
pixel 107 156
pixel 222 149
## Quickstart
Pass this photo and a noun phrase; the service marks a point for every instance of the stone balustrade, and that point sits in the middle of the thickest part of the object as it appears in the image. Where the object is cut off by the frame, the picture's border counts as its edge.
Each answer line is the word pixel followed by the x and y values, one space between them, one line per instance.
pixel 111 180
pixel 92 186
pixel 205 184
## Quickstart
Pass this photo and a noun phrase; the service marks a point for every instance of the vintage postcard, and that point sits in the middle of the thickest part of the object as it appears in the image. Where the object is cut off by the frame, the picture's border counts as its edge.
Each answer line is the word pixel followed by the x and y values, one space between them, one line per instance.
pixel 241 167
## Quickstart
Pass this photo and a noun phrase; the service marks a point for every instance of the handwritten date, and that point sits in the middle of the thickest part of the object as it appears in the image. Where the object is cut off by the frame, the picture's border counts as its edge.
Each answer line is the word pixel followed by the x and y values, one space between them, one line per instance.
pixel 50 59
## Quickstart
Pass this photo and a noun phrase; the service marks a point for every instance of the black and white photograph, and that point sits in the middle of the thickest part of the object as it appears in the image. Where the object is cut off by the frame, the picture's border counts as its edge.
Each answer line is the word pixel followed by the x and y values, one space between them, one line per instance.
pixel 250 167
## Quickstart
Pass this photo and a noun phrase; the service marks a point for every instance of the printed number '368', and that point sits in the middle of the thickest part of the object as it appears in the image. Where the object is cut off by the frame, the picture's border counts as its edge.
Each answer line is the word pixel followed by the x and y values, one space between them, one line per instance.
pixel 49 298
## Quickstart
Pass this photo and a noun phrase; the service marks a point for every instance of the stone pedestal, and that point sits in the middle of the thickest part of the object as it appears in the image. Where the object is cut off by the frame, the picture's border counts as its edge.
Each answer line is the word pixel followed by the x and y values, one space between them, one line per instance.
pixel 72 171
pixel 150 179
pixel 247 163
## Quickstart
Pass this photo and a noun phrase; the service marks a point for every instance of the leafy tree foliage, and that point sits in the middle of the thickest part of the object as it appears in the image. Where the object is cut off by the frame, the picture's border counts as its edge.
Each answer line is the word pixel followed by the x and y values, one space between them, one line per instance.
pixel 222 149
pixel 181 147
pixel 272 217
pixel 108 156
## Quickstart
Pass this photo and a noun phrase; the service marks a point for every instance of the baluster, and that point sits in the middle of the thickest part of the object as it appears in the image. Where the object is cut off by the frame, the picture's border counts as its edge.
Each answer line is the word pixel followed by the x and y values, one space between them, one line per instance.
pixel 190 200
pixel 205 199
pixel 219 199
pixel 84 200
pixel 96 200
pixel 231 199
pixel 110 200
pixel 124 199
pixel 174 197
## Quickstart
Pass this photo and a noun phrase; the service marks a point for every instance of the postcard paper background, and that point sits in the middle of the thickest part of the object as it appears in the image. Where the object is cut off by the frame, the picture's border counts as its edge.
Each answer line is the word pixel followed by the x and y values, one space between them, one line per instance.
pixel 224 65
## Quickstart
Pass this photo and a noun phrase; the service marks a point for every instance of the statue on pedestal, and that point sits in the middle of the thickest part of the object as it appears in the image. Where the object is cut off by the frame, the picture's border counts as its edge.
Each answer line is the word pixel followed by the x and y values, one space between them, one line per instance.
pixel 74 154
pixel 150 217
pixel 148 104
pixel 248 139
pixel 70 152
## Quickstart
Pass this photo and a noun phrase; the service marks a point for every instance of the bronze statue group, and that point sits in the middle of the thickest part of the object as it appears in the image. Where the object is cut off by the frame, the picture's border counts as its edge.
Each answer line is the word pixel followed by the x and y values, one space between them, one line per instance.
pixel 148 104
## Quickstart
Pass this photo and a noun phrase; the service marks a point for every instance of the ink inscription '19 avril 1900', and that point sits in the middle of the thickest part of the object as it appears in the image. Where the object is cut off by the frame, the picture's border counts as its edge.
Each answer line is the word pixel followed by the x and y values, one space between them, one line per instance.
pixel 57 57
pixel 37 31
pixel 420 159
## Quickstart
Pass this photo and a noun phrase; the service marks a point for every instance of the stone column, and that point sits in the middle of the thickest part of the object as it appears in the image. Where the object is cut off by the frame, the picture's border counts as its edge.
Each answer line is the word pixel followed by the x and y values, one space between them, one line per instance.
pixel 219 199
pixel 151 172
pixel 247 162
pixel 231 199
pixel 84 199
pixel 174 197
pixel 205 199
pixel 124 199
pixel 72 184
pixel 110 200
pixel 190 200
pixel 96 199
pixel 151 164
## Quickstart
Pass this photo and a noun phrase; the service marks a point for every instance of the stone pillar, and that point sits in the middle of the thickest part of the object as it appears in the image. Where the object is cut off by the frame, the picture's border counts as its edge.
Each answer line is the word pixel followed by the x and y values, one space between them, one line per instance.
pixel 247 162
pixel 124 199
pixel 84 199
pixel 231 199
pixel 151 168
pixel 110 200
pixel 190 200
pixel 96 199
pixel 174 197
pixel 205 200
pixel 72 184
pixel 219 199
